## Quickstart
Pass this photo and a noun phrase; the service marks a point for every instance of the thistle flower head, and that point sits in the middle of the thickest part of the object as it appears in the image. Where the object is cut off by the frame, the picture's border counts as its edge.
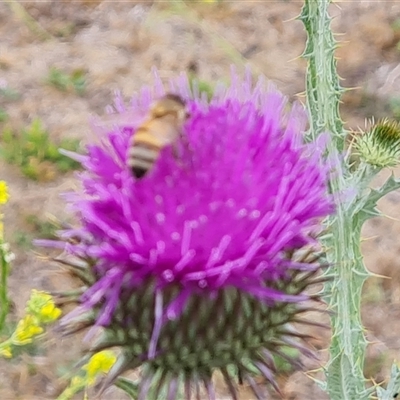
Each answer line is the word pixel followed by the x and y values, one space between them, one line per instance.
pixel 199 265
pixel 380 144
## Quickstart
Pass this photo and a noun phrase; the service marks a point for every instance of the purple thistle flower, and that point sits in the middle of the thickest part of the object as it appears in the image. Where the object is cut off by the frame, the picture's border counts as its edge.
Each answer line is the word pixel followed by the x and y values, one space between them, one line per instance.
pixel 201 264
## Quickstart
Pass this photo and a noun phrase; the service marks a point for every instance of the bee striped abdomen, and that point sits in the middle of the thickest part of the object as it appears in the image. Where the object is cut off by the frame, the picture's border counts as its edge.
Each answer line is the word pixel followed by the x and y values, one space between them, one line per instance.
pixel 141 159
pixel 142 154
pixel 162 128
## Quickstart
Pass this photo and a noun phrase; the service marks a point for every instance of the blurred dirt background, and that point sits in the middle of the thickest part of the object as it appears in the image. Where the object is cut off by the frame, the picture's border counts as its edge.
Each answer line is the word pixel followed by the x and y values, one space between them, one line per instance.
pixel 114 45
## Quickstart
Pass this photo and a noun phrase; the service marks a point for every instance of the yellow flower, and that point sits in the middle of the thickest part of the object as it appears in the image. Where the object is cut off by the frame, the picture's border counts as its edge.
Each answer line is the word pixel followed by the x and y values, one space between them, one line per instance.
pixel 49 313
pixel 101 362
pixel 42 306
pixel 27 328
pixel 3 192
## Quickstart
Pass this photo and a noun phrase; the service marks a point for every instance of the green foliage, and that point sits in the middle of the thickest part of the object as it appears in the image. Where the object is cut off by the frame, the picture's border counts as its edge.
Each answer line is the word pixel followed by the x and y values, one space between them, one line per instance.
pixel 65 29
pixel 5 302
pixel 128 386
pixel 3 115
pixel 396 25
pixel 8 93
pixel 200 86
pixel 366 203
pixel 75 81
pixel 394 104
pixel 5 259
pixel 37 228
pixel 396 29
pixel 43 228
pixel 23 240
pixel 34 152
pixel 393 387
pixel 283 366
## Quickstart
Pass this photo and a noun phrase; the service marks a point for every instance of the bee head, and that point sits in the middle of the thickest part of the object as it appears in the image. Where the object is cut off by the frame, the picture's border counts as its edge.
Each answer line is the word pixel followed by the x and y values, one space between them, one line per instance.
pixel 168 104
pixel 175 98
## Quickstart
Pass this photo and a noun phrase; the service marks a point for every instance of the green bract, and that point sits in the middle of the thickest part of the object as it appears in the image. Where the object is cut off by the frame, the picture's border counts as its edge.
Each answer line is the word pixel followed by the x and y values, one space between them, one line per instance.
pixel 380 145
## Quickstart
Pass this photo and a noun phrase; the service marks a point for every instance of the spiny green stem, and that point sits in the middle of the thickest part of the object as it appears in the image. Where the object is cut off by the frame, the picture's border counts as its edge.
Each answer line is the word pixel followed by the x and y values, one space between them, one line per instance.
pixel 4 300
pixel 322 82
pixel 344 371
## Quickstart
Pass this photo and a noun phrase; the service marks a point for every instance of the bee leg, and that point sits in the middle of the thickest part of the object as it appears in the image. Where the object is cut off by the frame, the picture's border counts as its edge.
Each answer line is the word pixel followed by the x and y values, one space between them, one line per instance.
pixel 176 152
pixel 189 147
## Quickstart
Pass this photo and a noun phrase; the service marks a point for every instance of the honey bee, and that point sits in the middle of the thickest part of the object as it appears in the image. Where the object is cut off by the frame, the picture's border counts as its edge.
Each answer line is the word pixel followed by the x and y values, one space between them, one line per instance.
pixel 163 127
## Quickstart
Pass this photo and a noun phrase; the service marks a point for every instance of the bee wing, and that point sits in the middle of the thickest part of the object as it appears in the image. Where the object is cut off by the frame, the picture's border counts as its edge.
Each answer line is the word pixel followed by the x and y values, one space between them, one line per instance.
pixel 165 130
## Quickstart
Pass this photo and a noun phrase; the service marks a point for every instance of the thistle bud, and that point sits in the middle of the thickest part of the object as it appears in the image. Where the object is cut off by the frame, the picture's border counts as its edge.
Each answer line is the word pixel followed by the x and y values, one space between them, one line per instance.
pixel 380 144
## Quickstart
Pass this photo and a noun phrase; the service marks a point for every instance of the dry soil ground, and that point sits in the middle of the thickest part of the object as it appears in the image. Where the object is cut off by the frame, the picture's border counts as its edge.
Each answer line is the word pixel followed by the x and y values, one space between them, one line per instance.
pixel 116 44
